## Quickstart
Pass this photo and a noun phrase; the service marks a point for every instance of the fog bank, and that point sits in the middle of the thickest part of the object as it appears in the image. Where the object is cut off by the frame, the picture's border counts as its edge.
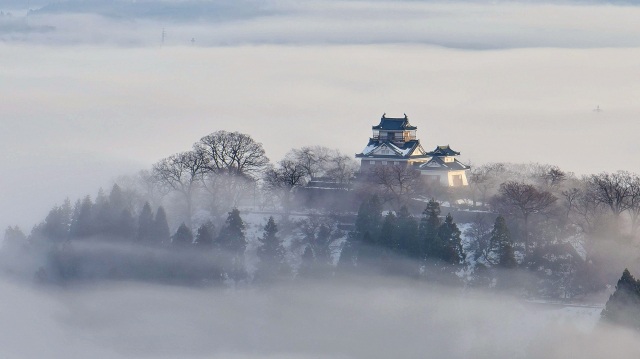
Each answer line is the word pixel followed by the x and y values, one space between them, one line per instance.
pixel 376 318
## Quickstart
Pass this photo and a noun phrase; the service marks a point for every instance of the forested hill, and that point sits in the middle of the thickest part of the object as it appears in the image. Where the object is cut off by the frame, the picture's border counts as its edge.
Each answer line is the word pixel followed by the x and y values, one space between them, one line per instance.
pixel 223 213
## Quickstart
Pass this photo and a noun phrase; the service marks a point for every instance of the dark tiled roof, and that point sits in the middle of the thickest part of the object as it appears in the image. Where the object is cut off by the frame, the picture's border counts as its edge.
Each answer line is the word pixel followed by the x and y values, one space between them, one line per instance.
pixel 438 164
pixel 443 151
pixel 394 124
pixel 399 151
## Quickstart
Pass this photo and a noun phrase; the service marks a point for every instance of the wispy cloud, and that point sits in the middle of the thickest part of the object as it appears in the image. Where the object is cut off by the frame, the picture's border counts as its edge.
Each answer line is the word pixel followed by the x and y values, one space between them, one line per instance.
pixel 467 25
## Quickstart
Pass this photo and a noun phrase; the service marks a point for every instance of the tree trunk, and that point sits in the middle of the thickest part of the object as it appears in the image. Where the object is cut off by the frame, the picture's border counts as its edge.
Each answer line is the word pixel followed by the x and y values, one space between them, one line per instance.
pixel 526 236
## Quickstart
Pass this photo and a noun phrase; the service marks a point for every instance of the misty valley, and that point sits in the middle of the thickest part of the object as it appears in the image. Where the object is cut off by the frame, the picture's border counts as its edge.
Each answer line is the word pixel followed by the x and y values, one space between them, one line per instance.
pixel 219 179
pixel 318 235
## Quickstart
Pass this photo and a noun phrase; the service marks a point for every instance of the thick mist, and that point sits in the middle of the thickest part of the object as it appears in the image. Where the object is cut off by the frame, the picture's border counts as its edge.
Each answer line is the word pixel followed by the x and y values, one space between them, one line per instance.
pixel 373 317
pixel 90 93
pixel 76 117
pixel 92 90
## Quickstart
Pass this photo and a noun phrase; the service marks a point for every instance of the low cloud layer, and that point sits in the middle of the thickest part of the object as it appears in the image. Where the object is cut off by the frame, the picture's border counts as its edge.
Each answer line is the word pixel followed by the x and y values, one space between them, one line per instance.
pixel 374 318
pixel 465 25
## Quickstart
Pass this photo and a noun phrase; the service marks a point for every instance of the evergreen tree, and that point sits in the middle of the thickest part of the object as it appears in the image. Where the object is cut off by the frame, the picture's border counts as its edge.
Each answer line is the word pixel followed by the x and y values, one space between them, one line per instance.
pixel 82 223
pixel 204 236
pixel 14 239
pixel 232 237
pixel 407 236
pixel 57 224
pixel 362 244
pixel 271 249
pixel 126 226
pixel 501 245
pixel 118 215
pixel 428 230
pixel 233 244
pixel 183 238
pixel 623 306
pixel 145 225
pixel 271 253
pixel 103 220
pixel 388 236
pixel 369 217
pixel 117 199
pixel 160 232
pixel 451 251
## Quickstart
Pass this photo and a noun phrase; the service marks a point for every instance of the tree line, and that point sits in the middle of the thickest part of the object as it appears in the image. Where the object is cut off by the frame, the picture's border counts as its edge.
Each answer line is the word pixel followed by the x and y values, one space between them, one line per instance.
pixel 572 233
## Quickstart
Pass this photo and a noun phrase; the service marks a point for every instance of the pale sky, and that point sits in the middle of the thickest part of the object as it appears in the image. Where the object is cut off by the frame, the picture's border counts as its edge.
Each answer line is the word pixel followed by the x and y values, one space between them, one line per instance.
pixel 94 97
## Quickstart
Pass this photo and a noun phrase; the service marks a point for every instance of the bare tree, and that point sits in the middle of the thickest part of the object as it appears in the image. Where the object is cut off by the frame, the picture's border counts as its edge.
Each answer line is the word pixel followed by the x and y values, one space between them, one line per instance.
pixel 590 212
pixel 341 168
pixel 523 200
pixel 612 190
pixel 182 172
pixel 633 202
pixel 233 162
pixel 485 179
pixel 283 179
pixel 571 197
pixel 397 182
pixel 313 159
pixel 319 161
pixel 551 177
pixel 232 152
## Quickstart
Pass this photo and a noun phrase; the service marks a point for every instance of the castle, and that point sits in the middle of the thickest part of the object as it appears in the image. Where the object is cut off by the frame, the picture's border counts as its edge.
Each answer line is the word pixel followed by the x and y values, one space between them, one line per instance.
pixel 394 143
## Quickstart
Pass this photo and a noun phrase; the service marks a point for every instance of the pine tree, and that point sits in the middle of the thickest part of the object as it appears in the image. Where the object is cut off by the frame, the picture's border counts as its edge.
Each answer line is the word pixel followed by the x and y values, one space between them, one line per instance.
pixel 388 237
pixel 271 253
pixel 204 236
pixel 451 251
pixel 369 217
pixel 160 232
pixel 116 216
pixel 117 199
pixel 183 238
pixel 14 239
pixel 407 236
pixel 56 225
pixel 623 306
pixel 233 243
pixel 102 217
pixel 145 225
pixel 82 223
pixel 428 230
pixel 126 226
pixel 232 237
pixel 501 245
pixel 271 249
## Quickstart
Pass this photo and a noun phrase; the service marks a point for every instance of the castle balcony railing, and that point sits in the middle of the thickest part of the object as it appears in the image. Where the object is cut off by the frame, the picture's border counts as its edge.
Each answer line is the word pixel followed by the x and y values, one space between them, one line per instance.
pixel 394 139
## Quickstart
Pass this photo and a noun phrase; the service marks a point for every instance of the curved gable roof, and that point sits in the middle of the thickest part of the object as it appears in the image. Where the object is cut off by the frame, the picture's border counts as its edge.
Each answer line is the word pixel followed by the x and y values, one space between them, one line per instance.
pixel 443 151
pixel 394 124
